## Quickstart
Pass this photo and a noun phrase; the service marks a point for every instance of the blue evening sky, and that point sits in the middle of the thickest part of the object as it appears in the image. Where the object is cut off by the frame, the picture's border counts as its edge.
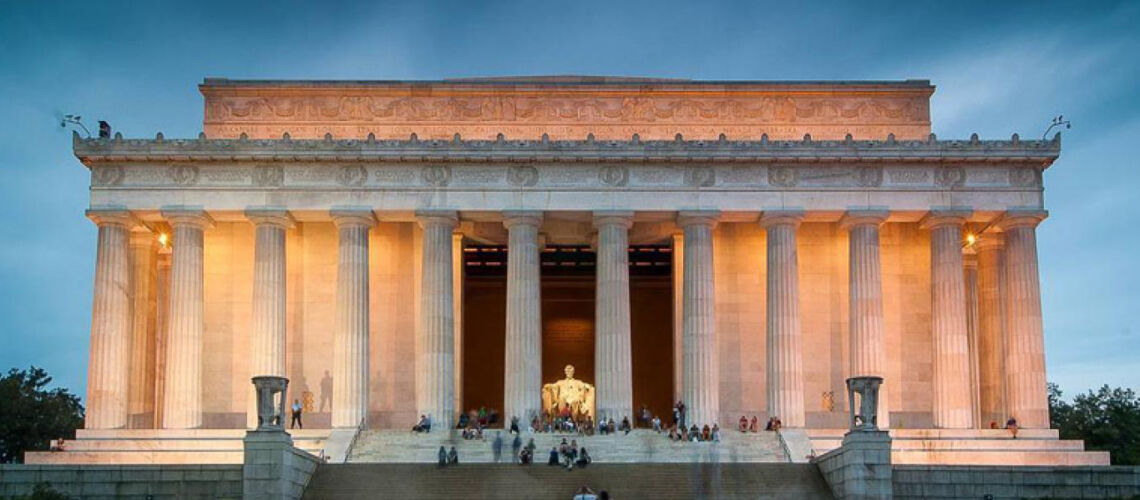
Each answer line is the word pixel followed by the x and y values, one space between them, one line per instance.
pixel 1000 68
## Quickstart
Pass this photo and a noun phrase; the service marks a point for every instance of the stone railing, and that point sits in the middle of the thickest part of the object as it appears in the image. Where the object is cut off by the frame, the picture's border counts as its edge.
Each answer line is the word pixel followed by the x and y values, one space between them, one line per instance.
pixel 588 150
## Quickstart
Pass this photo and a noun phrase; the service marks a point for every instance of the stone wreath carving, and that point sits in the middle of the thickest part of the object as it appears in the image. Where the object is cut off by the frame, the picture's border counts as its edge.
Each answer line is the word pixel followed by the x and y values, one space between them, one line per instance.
pixel 782 176
pixel 522 175
pixel 352 175
pixel 183 175
pixel 869 176
pixel 437 175
pixel 614 175
pixel 110 175
pixel 268 176
pixel 1023 177
pixel 950 177
pixel 700 176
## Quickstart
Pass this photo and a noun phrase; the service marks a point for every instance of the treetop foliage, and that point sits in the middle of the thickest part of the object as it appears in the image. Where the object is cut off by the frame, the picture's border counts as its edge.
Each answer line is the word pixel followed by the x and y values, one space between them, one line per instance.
pixel 31 415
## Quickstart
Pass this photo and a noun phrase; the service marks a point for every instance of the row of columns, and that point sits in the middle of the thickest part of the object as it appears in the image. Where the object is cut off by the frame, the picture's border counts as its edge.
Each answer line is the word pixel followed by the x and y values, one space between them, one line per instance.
pixel 1009 311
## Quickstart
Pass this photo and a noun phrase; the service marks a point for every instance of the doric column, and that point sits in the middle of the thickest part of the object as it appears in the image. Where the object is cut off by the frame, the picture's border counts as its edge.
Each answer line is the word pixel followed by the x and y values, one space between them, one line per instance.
pixel 970 277
pixel 182 389
pixel 991 329
pixel 678 315
pixel 267 335
pixel 435 342
pixel 1025 392
pixel 457 286
pixel 868 340
pixel 613 355
pixel 701 388
pixel 109 368
pixel 350 339
pixel 950 352
pixel 785 358
pixel 144 274
pixel 522 391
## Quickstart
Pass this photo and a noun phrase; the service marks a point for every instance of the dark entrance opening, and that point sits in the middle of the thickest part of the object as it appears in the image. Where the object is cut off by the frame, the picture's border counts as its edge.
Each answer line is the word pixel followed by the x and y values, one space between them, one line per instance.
pixel 568 286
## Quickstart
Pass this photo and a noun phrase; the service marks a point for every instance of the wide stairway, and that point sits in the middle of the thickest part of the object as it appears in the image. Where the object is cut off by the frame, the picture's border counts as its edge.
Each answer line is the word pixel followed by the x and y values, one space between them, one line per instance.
pixel 625 481
pixel 639 446
pixel 164 446
pixel 974 447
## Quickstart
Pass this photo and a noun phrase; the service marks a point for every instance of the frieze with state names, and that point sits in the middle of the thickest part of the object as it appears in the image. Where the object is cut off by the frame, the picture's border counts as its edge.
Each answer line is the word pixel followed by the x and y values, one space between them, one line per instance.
pixel 566 176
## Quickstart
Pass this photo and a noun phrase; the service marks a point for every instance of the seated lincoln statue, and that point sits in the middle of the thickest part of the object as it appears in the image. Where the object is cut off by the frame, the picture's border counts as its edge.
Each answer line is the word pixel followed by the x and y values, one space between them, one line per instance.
pixel 568 395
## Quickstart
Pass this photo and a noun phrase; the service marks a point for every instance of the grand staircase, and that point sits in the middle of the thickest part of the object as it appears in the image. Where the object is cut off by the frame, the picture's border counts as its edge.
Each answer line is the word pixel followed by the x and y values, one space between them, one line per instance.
pixel 164 446
pixel 639 446
pixel 1036 447
pixel 625 481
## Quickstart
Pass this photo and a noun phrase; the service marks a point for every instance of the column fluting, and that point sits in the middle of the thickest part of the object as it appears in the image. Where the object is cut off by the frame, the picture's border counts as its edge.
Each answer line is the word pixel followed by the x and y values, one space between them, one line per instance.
pixel 868 339
pixel 350 339
pixel 267 334
pixel 991 329
pixel 182 389
pixel 109 368
pixel 613 355
pixel 522 391
pixel 435 343
pixel 950 347
pixel 784 342
pixel 1025 387
pixel 701 387
pixel 144 276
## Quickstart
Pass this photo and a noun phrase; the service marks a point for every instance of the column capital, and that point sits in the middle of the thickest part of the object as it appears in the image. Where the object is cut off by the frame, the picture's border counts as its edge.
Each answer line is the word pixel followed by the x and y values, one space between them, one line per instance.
pixel 189 216
pixel 863 217
pixel 427 218
pixel 1021 218
pixel 352 217
pixel 989 241
pixel 708 218
pixel 970 258
pixel 112 216
pixel 781 217
pixel 945 217
pixel 607 217
pixel 522 218
pixel 270 216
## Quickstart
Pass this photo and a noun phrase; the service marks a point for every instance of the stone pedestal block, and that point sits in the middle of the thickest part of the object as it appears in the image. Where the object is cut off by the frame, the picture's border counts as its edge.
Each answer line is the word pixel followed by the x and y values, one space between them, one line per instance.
pixel 861 468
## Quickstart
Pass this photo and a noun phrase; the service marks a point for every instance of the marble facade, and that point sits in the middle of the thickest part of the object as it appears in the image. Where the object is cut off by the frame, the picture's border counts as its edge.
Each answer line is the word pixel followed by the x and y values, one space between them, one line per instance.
pixel 315 230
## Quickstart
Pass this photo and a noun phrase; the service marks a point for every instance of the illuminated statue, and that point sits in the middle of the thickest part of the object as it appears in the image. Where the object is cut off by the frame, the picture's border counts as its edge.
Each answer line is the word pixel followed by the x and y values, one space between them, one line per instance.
pixel 568 394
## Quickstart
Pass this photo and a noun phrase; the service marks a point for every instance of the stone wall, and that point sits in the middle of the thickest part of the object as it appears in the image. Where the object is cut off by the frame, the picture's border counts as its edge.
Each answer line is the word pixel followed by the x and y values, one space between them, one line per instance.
pixel 933 482
pixel 861 468
pixel 125 482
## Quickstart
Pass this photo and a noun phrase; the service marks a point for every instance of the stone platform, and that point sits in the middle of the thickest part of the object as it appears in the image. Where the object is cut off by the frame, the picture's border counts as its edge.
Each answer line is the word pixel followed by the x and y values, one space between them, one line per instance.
pixel 656 481
pixel 164 446
pixel 1033 447
pixel 639 446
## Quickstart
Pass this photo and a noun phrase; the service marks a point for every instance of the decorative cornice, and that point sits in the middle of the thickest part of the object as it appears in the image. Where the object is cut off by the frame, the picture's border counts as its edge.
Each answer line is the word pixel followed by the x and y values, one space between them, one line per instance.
pixel 91 151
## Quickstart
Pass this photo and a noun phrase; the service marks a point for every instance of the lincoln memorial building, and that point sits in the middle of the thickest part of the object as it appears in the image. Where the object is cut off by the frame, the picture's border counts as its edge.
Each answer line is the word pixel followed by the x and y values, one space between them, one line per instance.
pixel 407 248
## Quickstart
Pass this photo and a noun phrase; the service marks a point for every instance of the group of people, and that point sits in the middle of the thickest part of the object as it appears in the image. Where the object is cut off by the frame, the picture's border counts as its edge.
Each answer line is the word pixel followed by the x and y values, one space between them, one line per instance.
pixel 774 424
pixel 448 457
pixel 482 418
pixel 568 455
pixel 695 434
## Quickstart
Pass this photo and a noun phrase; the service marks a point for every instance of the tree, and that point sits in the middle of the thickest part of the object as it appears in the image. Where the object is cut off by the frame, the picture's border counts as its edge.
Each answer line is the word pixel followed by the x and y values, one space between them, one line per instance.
pixel 1106 419
pixel 31 415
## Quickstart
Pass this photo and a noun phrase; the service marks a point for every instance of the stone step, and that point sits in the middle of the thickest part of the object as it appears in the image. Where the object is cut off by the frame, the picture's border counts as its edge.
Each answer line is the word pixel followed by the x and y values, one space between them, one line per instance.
pixel 968 444
pixel 134 457
pixel 172 444
pixel 945 433
pixel 657 481
pixel 637 447
pixel 164 446
pixel 1000 457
